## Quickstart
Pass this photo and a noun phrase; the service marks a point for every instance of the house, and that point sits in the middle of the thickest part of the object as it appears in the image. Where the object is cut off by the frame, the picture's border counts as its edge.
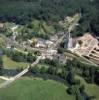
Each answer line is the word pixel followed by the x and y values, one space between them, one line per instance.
pixel 60 57
pixel 49 43
pixel 54 38
pixel 1 25
pixel 41 43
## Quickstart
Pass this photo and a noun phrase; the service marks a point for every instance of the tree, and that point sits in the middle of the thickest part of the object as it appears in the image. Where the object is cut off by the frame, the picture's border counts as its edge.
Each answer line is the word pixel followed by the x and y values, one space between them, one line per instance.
pixel 61 50
pixel 1 65
pixel 43 70
pixel 85 71
pixel 80 42
pixel 79 96
pixel 30 57
pixel 71 77
pixel 92 74
pixel 82 88
pixel 35 70
pixel 63 73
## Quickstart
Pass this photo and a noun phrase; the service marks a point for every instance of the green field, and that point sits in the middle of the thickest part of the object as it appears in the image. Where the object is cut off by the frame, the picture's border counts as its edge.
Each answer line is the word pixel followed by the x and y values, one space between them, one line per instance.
pixel 37 89
pixel 90 89
pixel 10 64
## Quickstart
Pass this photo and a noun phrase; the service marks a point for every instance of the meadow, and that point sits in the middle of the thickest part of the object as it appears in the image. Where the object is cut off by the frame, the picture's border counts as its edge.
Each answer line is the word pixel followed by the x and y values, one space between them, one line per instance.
pixel 35 89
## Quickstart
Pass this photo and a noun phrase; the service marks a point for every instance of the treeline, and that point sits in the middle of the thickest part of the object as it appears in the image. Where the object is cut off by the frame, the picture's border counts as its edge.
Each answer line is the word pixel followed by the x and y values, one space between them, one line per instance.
pixel 23 11
pixel 68 72
pixel 1 65
pixel 88 72
pixel 19 56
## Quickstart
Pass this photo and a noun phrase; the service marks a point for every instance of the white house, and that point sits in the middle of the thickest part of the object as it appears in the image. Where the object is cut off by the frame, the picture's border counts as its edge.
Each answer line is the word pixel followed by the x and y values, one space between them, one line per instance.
pixel 49 43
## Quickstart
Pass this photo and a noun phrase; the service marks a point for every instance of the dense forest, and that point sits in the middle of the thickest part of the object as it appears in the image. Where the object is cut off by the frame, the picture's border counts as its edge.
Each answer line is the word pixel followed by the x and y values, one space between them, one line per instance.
pixel 51 11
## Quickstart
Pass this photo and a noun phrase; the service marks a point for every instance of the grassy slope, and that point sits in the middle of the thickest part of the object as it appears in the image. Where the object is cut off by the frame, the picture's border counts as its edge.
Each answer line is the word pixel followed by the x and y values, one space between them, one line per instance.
pixel 9 64
pixel 29 89
pixel 90 89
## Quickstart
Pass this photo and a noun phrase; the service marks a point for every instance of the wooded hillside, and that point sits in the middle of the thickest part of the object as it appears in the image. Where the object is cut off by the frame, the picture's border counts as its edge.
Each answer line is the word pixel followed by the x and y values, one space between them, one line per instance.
pixel 23 11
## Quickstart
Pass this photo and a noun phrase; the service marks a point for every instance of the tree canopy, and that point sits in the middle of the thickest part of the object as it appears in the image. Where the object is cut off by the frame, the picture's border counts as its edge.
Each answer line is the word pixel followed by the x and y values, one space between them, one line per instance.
pixel 23 11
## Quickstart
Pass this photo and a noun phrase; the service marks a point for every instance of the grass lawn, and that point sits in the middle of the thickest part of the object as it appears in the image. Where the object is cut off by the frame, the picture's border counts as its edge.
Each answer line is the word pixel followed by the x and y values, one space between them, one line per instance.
pixel 10 64
pixel 90 89
pixel 1 81
pixel 37 89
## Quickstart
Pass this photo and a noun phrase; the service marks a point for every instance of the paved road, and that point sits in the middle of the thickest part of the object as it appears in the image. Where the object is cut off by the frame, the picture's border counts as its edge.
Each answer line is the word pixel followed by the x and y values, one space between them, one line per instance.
pixel 27 69
pixel 3 85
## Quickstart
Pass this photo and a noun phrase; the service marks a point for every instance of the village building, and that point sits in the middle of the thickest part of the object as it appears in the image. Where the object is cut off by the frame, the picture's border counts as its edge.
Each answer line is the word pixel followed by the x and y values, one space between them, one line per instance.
pixel 1 25
pixel 49 43
pixel 60 57
pixel 54 38
pixel 40 43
